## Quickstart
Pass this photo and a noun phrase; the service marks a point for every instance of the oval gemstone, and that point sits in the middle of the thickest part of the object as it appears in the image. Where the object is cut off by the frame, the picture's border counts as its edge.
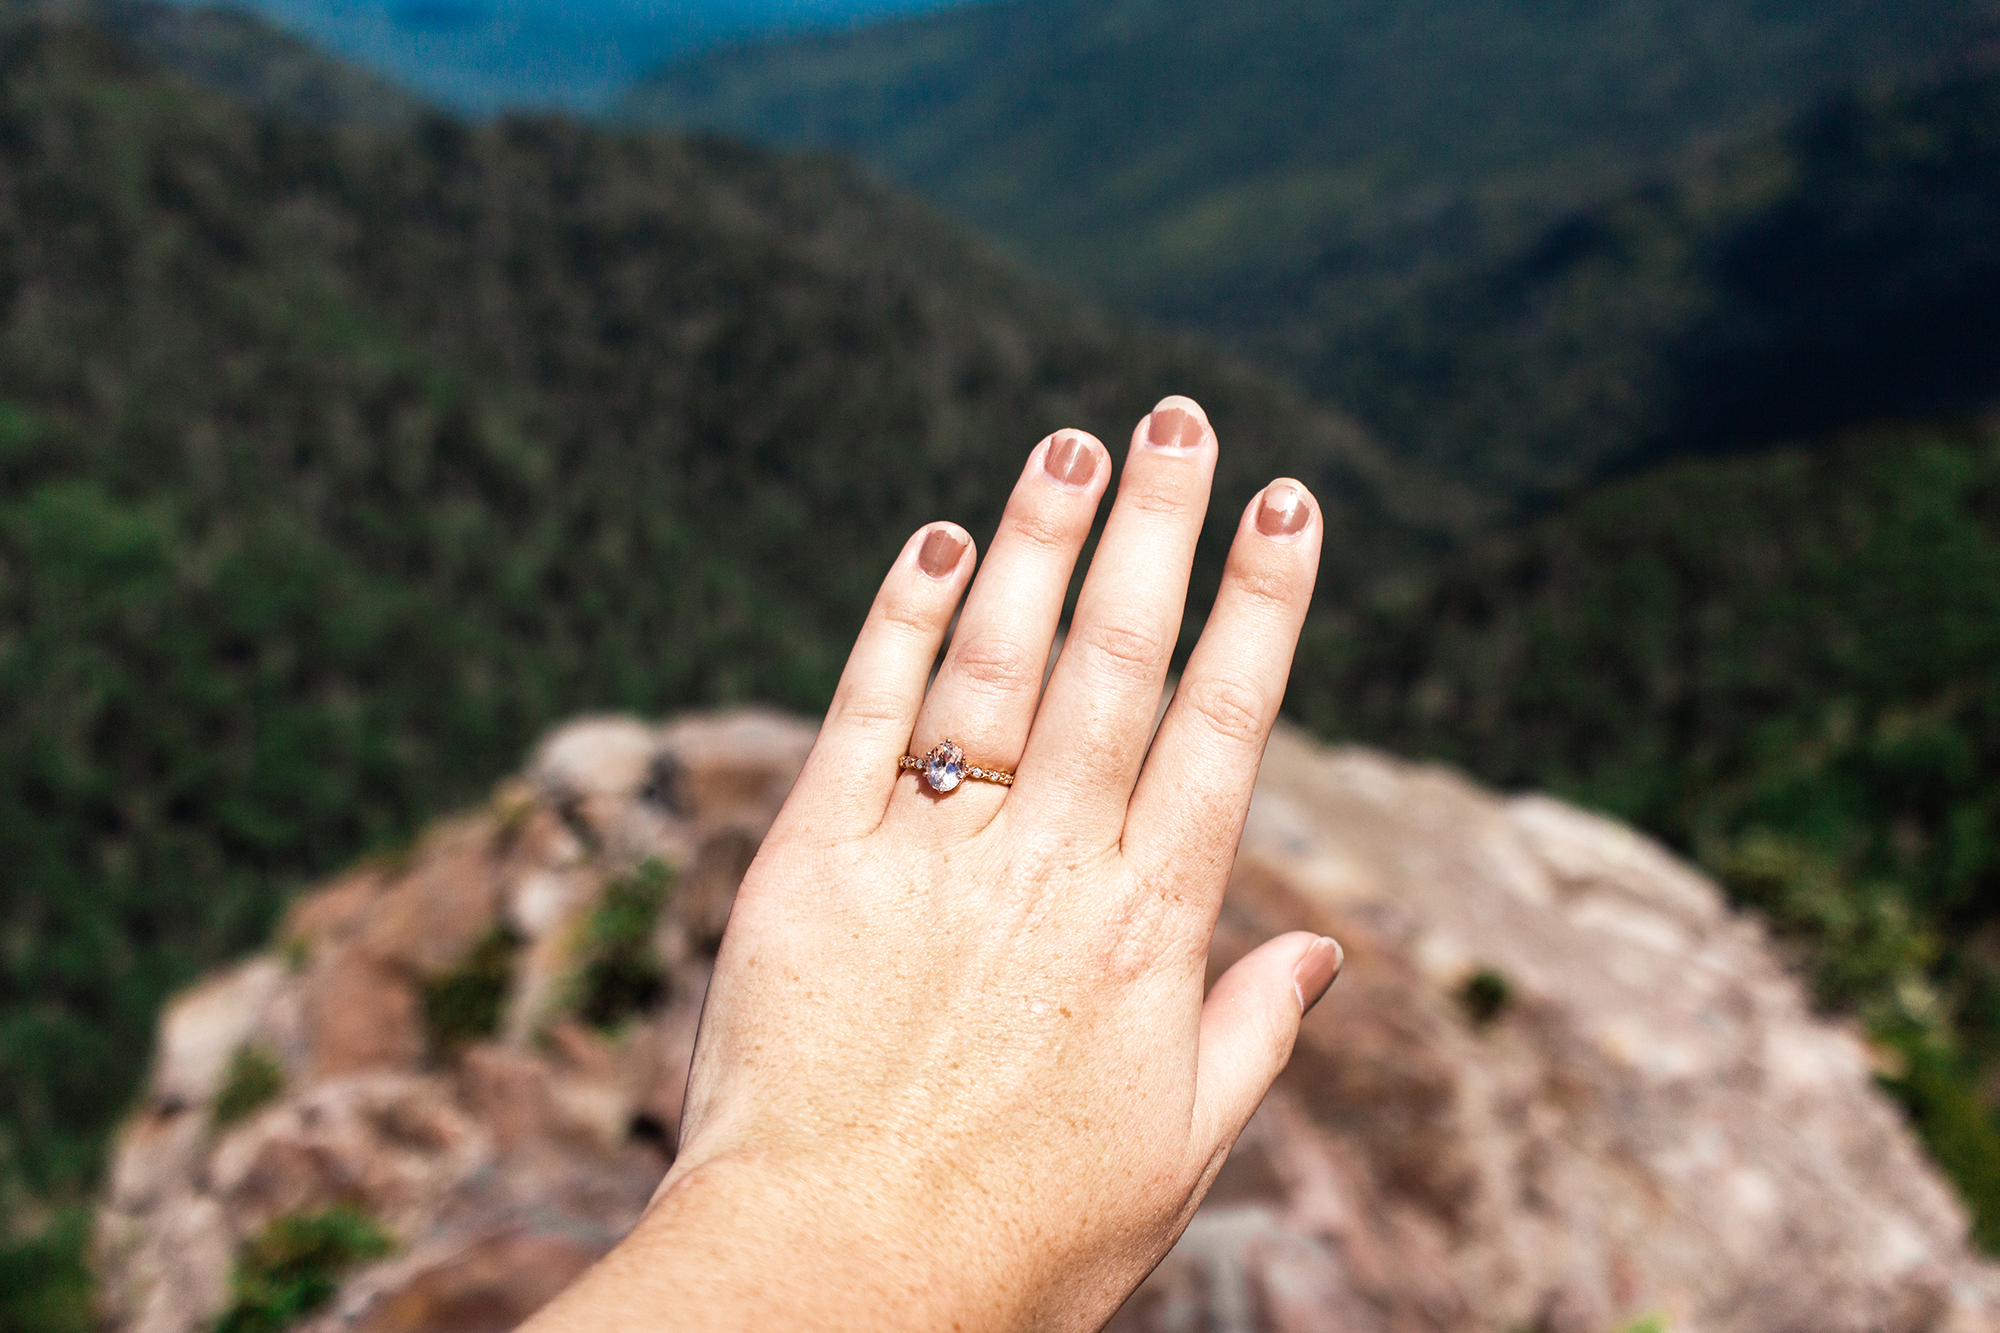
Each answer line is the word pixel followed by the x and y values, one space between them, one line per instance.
pixel 944 766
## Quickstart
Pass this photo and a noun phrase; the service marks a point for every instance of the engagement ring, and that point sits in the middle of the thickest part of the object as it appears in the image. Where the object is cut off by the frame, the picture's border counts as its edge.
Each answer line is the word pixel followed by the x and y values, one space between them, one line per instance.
pixel 945 767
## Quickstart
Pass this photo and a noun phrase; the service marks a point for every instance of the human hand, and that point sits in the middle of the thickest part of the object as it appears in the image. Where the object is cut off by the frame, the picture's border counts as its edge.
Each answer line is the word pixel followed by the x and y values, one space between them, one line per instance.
pixel 955 1068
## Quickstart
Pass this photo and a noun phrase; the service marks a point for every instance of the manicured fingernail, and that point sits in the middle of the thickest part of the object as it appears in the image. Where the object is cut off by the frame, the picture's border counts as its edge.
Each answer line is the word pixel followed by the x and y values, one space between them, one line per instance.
pixel 1285 511
pixel 1070 461
pixel 1316 971
pixel 940 553
pixel 1174 428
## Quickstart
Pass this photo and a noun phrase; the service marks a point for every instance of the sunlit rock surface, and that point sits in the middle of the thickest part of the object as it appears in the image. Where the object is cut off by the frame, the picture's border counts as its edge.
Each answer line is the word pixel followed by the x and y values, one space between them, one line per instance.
pixel 1558 1087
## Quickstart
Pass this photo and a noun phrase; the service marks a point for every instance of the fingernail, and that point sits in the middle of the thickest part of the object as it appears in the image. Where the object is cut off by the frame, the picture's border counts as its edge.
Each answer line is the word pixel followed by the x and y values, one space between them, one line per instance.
pixel 940 552
pixel 1174 428
pixel 1285 511
pixel 1070 461
pixel 1316 971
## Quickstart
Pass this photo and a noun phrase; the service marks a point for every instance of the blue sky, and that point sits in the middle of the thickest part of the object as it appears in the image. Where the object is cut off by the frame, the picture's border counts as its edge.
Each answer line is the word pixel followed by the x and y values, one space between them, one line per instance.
pixel 482 55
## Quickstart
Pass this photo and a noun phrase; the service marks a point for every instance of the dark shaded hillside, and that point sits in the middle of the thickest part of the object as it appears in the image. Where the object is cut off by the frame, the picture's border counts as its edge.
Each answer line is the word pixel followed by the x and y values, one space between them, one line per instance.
pixel 1843 272
pixel 240 55
pixel 334 467
pixel 1293 178
pixel 1785 666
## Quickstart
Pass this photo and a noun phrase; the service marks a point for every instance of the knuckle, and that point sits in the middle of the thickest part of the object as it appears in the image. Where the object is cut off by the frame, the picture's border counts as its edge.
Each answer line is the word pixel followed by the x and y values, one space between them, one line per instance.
pixel 908 615
pixel 1272 589
pixel 1231 708
pixel 994 664
pixel 1124 650
pixel 870 710
pixel 1043 532
pixel 1166 497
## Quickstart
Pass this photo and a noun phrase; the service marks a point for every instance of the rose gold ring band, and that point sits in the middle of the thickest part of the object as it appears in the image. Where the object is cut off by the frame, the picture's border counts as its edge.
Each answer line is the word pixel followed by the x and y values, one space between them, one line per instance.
pixel 945 767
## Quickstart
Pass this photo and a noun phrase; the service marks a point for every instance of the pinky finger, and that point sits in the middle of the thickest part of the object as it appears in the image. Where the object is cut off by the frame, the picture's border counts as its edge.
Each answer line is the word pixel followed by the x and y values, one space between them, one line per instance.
pixel 852 769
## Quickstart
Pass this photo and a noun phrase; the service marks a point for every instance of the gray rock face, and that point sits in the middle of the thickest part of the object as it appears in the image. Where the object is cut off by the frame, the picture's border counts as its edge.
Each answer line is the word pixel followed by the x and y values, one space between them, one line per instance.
pixel 1558 1087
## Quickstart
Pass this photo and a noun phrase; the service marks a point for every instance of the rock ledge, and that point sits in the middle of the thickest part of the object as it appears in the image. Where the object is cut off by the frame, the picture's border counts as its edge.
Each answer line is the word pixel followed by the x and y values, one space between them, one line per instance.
pixel 1559 1087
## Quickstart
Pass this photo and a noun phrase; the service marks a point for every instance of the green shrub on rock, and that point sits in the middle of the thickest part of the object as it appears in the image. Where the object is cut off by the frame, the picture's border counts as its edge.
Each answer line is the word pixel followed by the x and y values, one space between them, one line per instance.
pixel 1485 996
pixel 621 973
pixel 465 1003
pixel 254 1079
pixel 294 1266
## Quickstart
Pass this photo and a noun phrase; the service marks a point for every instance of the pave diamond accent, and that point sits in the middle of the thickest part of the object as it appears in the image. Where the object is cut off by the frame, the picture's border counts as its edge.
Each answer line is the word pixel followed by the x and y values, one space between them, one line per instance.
pixel 944 766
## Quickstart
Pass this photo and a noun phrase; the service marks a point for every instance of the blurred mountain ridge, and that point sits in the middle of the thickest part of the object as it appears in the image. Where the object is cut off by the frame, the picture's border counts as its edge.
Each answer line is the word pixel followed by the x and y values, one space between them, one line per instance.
pixel 489 57
pixel 237 54
pixel 1308 183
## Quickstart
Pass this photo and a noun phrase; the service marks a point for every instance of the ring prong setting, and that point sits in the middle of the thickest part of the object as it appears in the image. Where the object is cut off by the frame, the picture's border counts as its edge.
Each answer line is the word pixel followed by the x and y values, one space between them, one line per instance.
pixel 944 766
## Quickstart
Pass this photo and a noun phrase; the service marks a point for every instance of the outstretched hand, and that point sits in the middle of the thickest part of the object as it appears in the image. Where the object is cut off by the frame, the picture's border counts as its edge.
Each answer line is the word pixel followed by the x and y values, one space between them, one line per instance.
pixel 956 1069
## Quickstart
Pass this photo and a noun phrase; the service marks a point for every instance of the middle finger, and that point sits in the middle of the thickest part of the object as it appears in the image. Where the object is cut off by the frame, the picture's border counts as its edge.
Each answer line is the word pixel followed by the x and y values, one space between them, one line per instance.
pixel 1090 735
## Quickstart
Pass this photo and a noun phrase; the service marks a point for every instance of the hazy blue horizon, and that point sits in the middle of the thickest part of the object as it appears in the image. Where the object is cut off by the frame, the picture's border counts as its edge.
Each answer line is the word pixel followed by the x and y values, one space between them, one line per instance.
pixel 487 55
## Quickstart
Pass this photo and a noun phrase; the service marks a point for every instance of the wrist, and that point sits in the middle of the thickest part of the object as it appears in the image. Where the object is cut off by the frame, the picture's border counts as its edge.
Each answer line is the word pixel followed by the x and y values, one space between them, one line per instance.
pixel 787 1241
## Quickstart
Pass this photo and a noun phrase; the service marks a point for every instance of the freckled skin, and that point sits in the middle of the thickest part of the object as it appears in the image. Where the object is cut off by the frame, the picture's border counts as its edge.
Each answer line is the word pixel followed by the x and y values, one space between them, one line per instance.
pixel 956 1068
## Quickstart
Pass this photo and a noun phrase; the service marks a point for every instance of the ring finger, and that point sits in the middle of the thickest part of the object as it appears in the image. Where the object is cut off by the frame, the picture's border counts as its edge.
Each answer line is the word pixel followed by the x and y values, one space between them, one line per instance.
pixel 985 694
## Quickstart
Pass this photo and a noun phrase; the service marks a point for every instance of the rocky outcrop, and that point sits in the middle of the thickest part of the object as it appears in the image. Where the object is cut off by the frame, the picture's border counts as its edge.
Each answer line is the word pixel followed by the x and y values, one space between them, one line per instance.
pixel 1558 1087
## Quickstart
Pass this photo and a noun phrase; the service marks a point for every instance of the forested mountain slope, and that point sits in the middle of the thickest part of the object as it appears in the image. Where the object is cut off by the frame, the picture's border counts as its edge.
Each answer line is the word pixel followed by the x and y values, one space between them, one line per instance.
pixel 1842 272
pixel 1288 176
pixel 334 466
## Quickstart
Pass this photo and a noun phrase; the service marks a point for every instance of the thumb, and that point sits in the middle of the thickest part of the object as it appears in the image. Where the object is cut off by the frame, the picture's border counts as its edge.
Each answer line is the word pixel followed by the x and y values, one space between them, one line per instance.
pixel 1248 1025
